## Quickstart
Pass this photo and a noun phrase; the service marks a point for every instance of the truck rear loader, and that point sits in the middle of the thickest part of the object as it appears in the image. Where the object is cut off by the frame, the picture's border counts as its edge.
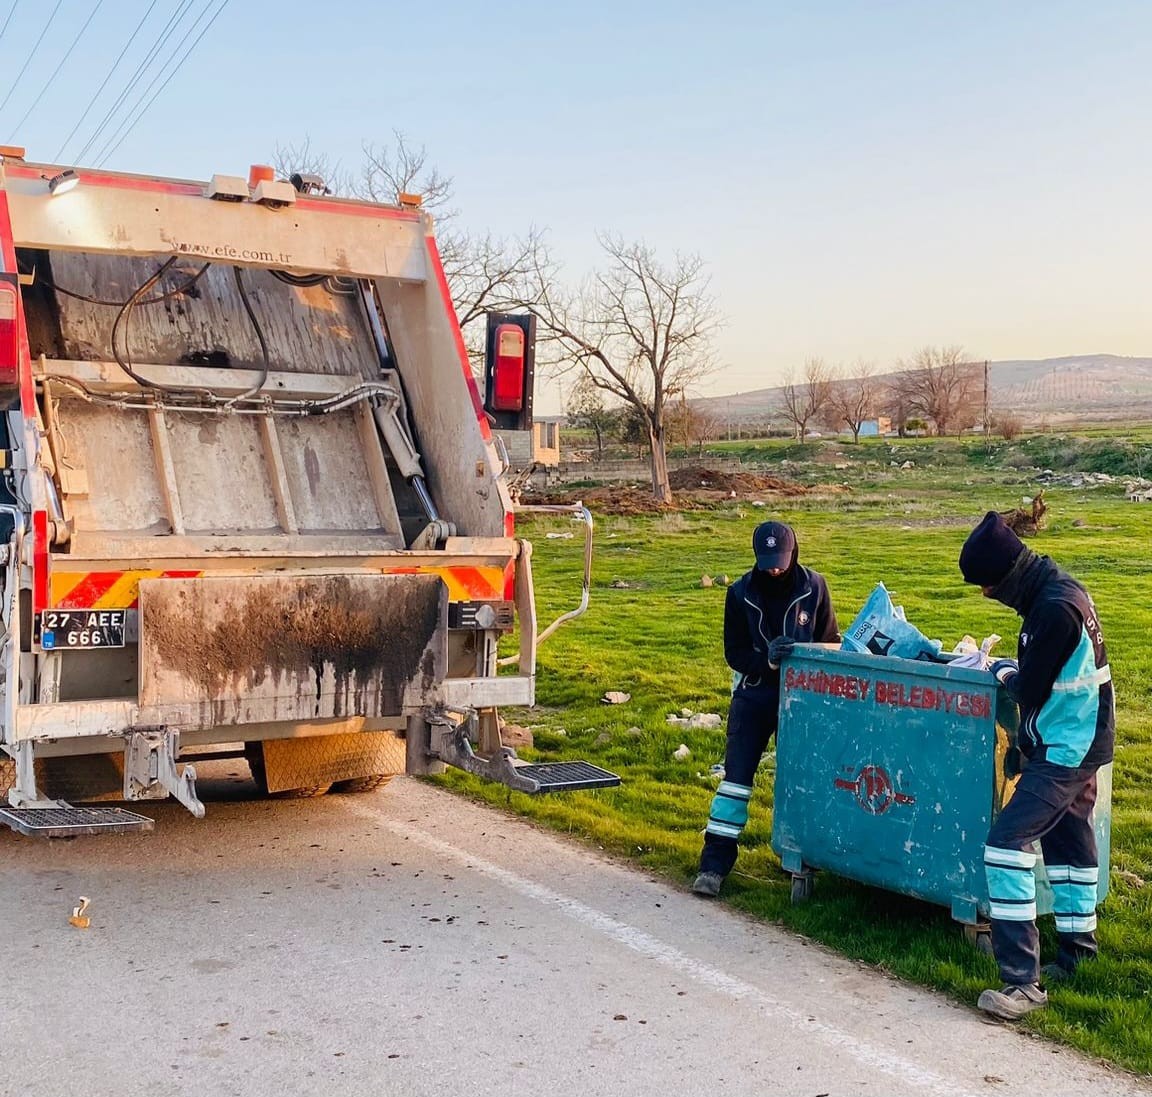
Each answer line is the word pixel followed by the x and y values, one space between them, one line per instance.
pixel 250 500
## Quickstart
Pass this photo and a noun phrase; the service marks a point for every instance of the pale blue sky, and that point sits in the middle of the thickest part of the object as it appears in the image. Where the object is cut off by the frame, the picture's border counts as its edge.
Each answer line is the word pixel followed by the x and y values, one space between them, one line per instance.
pixel 861 178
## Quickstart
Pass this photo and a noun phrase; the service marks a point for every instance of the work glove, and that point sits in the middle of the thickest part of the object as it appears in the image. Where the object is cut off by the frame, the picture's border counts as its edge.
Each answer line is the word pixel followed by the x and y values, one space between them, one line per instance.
pixel 779 648
pixel 1004 670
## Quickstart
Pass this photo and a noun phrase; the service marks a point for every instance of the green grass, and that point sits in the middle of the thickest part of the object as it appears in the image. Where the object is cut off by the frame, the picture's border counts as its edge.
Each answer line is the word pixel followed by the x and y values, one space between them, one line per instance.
pixel 660 640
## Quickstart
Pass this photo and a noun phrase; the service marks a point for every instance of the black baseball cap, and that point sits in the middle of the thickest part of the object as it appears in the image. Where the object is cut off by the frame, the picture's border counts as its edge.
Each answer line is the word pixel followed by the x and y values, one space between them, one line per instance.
pixel 774 545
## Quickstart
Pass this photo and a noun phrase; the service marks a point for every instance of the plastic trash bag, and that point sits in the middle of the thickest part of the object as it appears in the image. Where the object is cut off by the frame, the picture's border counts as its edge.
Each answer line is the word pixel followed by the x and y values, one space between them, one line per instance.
pixel 967 654
pixel 881 628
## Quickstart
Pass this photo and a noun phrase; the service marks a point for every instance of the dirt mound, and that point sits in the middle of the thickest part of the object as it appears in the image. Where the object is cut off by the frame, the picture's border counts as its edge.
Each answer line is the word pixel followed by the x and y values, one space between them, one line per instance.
pixel 698 478
pixel 623 499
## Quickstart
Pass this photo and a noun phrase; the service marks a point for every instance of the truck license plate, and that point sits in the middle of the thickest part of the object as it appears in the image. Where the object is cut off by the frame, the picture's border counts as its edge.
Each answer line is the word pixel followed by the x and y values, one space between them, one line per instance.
pixel 82 628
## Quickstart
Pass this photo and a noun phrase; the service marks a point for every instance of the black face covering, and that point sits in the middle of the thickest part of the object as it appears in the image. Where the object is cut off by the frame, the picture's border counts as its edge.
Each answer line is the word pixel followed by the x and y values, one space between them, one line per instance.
pixel 1019 586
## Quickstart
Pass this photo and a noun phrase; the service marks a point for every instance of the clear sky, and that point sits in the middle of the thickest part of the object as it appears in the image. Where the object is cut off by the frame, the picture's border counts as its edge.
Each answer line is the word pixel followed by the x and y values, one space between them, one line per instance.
pixel 862 178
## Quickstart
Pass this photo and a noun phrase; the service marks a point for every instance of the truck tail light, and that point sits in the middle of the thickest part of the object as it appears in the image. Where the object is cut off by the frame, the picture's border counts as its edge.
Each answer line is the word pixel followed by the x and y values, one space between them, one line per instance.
pixel 9 336
pixel 508 369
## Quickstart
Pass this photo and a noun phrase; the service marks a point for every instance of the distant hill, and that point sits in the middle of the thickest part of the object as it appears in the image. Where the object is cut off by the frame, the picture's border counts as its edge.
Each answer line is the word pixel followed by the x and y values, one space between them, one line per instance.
pixel 1083 388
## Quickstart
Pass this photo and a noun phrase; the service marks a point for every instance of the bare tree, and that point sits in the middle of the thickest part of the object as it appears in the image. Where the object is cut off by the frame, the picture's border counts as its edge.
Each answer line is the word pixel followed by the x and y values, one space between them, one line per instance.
pixel 586 410
pixel 804 401
pixel 640 329
pixel 854 397
pixel 484 272
pixel 895 399
pixel 943 386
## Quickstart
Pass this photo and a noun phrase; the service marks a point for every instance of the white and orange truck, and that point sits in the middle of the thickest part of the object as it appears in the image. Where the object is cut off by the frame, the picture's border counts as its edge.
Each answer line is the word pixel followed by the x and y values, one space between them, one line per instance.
pixel 250 500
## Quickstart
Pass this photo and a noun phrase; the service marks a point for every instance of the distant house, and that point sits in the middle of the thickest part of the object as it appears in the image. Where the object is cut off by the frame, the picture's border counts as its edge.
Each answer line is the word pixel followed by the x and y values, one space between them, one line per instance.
pixel 539 446
pixel 873 428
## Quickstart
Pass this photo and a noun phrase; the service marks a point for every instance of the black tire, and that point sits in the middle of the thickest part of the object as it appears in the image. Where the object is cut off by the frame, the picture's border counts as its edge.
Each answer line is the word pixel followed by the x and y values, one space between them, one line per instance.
pixel 355 785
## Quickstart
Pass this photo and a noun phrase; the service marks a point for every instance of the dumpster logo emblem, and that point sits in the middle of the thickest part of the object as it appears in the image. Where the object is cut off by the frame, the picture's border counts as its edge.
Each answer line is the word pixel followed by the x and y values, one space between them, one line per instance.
pixel 874 790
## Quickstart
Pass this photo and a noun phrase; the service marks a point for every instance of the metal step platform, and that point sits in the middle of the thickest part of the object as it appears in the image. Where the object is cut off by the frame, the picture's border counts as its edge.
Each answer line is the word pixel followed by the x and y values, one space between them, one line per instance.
pixel 70 822
pixel 568 776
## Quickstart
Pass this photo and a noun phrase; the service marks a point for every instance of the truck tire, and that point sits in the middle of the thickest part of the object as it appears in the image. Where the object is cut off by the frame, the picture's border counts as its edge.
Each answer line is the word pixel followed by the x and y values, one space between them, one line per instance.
pixel 254 756
pixel 363 784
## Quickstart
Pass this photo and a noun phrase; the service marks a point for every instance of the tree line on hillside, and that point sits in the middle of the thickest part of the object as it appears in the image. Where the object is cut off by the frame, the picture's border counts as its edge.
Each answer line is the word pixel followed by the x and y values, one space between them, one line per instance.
pixel 939 390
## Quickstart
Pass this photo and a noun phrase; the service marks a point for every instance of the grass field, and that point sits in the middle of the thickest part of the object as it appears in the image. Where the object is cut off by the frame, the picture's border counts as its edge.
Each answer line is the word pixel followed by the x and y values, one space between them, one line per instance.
pixel 659 639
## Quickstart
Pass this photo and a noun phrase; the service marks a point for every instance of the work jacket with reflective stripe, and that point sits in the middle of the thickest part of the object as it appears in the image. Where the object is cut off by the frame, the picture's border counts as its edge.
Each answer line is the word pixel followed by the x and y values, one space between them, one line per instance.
pixel 1064 688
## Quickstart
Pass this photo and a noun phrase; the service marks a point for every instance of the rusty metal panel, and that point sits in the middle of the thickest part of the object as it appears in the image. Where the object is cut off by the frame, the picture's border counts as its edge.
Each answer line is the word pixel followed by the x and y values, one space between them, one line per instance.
pixel 250 649
pixel 327 473
pixel 114 449
pixel 318 760
pixel 308 329
pixel 222 478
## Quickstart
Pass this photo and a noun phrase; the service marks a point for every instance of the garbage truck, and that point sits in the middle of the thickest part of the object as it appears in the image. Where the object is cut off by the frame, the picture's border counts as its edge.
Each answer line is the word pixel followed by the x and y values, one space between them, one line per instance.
pixel 251 501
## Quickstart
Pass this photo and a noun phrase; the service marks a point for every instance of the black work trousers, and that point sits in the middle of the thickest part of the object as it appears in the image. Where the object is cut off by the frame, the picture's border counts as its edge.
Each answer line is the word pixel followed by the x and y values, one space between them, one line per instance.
pixel 752 722
pixel 1053 805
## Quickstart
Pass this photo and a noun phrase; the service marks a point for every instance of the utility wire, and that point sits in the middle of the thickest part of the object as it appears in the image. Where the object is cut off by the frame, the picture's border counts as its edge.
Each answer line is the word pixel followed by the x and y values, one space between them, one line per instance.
pixel 28 60
pixel 179 66
pixel 157 75
pixel 111 71
pixel 157 46
pixel 11 12
pixel 56 70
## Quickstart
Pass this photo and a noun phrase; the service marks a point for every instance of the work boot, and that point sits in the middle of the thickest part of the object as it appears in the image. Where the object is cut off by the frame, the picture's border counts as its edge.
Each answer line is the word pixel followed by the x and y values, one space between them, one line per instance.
pixel 1056 973
pixel 1010 1003
pixel 708 884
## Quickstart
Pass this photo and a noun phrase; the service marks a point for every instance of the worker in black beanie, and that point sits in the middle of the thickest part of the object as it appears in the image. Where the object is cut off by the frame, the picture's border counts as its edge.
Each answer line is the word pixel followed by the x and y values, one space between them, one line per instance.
pixel 1063 684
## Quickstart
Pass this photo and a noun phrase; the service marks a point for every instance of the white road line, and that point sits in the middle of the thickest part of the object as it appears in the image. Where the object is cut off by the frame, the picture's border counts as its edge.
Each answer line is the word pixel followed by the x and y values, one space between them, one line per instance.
pixel 654 949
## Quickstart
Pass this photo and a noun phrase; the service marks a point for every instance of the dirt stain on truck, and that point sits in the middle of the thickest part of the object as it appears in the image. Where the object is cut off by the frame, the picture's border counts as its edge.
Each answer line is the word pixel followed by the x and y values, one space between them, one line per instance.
pixel 361 643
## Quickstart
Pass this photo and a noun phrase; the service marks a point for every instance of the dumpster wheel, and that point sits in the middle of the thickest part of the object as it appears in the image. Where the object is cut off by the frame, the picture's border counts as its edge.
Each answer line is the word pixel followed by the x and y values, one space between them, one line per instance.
pixel 801 887
pixel 979 937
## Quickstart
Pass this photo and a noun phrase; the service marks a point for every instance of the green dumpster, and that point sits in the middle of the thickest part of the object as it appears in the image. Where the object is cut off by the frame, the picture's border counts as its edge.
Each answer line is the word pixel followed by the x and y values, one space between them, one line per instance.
pixel 890 772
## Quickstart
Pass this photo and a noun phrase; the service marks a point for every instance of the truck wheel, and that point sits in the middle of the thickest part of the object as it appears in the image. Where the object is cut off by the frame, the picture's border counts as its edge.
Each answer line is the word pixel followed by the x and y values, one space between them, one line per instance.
pixel 363 784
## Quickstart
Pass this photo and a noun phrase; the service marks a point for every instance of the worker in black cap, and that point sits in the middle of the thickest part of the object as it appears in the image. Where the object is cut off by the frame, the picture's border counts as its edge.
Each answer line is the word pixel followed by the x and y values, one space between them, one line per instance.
pixel 767 612
pixel 1063 685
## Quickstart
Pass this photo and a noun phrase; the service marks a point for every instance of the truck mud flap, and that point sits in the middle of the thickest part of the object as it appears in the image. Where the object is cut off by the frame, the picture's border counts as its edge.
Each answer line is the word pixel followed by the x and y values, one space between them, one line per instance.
pixel 250 649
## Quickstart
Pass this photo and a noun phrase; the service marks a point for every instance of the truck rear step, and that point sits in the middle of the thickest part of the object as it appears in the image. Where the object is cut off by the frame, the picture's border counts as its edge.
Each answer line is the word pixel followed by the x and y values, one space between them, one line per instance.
pixel 568 776
pixel 70 822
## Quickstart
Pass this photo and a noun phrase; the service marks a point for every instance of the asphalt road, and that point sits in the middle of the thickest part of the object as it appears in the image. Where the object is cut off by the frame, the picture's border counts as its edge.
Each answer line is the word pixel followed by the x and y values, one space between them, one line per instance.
pixel 409 943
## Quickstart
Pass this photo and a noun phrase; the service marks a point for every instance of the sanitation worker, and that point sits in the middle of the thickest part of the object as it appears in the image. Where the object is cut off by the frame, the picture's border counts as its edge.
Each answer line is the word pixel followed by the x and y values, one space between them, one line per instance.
pixel 767 612
pixel 1063 685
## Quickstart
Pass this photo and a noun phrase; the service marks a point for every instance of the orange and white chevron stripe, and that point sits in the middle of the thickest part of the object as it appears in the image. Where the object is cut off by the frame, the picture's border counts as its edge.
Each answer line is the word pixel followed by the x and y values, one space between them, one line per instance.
pixel 121 589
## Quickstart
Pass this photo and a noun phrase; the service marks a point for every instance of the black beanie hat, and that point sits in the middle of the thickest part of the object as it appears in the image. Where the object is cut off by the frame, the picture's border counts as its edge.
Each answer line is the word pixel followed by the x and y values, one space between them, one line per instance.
pixel 989 552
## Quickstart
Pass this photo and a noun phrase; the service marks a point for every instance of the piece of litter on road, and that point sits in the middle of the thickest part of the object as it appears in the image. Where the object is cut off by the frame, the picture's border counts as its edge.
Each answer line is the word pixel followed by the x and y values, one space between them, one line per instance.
pixel 616 697
pixel 79 919
pixel 682 752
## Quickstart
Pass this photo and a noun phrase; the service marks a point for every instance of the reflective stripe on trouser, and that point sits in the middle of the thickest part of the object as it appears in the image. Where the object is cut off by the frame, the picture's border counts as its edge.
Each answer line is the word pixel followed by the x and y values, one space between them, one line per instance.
pixel 751 722
pixel 1074 897
pixel 1011 884
pixel 729 813
pixel 1052 804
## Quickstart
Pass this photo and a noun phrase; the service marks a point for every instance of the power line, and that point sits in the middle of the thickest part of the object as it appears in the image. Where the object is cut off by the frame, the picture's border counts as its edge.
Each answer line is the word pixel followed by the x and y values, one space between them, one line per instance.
pixel 28 60
pixel 179 66
pixel 56 70
pixel 11 12
pixel 111 71
pixel 157 46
